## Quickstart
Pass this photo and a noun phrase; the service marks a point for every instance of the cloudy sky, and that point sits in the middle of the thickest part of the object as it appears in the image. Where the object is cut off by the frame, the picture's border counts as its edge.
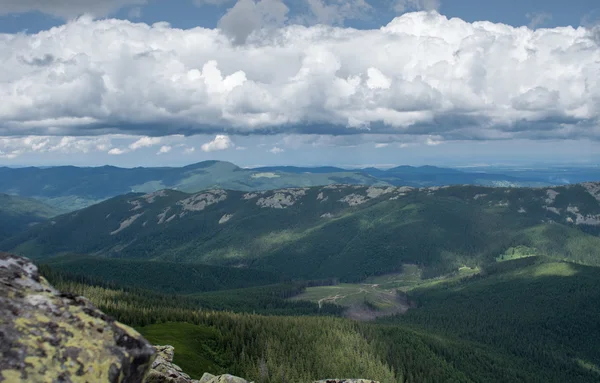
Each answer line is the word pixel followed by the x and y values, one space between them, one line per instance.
pixel 304 82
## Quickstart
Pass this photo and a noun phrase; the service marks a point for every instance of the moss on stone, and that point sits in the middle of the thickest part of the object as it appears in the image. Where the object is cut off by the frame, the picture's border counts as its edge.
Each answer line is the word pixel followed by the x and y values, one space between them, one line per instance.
pixel 49 336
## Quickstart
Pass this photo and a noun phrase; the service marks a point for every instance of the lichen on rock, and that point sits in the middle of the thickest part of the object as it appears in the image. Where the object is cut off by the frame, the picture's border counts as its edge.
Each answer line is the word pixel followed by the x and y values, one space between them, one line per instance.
pixel 47 336
pixel 164 370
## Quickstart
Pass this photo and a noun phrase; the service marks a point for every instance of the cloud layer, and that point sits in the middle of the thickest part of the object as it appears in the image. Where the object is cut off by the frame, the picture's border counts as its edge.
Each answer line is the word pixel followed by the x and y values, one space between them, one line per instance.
pixel 420 75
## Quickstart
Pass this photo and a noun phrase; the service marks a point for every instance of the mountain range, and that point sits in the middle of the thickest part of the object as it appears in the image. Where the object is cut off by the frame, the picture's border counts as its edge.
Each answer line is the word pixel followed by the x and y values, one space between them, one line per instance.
pixel 70 188
pixel 464 283
pixel 348 232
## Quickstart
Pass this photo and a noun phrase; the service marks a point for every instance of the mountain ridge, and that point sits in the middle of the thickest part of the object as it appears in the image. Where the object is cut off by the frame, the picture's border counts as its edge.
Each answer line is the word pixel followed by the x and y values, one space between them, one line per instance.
pixel 71 187
pixel 341 231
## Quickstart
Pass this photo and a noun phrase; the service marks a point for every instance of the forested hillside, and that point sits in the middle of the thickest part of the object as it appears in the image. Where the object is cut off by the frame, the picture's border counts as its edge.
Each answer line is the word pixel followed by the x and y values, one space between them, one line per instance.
pixel 165 277
pixel 17 214
pixel 529 319
pixel 345 232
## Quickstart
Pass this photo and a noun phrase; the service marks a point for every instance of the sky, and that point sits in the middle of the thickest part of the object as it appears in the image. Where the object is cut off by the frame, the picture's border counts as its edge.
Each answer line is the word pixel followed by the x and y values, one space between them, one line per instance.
pixel 303 82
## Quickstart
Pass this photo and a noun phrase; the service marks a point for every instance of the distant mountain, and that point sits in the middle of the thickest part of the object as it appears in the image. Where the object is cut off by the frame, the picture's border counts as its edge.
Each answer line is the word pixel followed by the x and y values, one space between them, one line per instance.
pixel 70 188
pixel 555 175
pixel 17 214
pixel 336 231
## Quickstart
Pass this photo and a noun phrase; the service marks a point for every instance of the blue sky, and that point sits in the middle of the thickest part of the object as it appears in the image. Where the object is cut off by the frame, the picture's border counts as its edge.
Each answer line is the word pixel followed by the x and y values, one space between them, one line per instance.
pixel 305 82
pixel 187 14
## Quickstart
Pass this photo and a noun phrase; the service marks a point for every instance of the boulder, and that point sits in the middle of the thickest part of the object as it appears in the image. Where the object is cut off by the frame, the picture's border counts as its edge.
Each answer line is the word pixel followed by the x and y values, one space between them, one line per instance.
pixel 206 377
pixel 47 336
pixel 226 378
pixel 345 381
pixel 164 370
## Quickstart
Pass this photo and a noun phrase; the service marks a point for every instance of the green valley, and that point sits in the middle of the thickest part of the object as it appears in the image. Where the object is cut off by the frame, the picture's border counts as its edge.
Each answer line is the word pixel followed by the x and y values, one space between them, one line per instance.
pixel 530 319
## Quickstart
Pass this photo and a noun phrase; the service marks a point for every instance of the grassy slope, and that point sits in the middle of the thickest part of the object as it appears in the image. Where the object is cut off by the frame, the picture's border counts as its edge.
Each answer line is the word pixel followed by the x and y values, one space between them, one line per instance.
pixel 199 349
pixel 379 296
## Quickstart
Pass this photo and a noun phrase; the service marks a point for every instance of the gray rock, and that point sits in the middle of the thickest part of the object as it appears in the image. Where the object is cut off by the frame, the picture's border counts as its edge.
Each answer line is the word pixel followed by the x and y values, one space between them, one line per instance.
pixel 206 377
pixel 164 370
pixel 345 381
pixel 46 336
pixel 227 379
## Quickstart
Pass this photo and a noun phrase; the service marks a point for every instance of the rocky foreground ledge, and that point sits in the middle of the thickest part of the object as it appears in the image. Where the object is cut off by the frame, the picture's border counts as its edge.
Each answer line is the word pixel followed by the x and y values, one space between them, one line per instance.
pixel 49 336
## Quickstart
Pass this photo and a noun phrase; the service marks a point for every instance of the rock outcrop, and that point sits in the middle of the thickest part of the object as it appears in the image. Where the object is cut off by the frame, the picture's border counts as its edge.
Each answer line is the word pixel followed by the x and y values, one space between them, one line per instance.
pixel 345 381
pixel 226 378
pixel 165 371
pixel 46 336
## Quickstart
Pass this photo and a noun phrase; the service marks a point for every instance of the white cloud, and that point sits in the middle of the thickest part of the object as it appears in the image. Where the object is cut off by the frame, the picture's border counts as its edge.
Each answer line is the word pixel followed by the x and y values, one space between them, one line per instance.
pixel 246 16
pixel 145 142
pixel 221 142
pixel 116 151
pixel 189 150
pixel 67 9
pixel 380 145
pixel 538 18
pixel 420 75
pixel 164 149
pixel 377 80
pixel 12 147
pixel 402 6
pixel 276 150
pixel 407 145
pixel 115 144
pixel 433 140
